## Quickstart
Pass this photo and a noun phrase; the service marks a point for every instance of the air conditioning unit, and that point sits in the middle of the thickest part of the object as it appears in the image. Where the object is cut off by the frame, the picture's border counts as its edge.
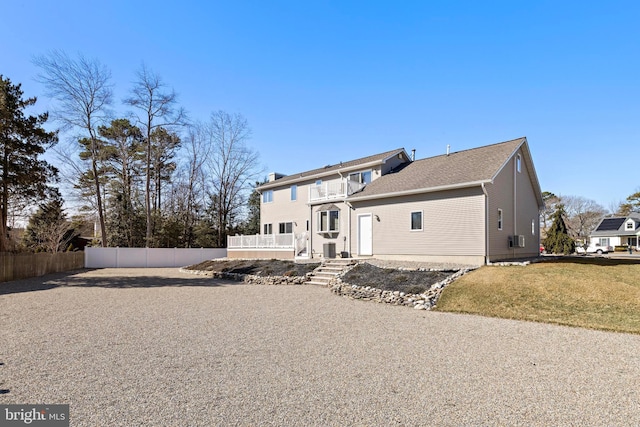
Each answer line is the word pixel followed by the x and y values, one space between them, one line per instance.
pixel 516 241
pixel 521 241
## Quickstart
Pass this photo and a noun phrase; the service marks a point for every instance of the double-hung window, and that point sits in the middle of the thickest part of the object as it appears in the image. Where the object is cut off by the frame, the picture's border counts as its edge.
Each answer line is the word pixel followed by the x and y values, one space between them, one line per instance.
pixel 268 229
pixel 267 196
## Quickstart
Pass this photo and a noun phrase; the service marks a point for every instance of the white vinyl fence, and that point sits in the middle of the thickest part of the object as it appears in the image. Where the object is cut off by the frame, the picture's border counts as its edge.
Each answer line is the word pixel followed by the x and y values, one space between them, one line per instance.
pixel 148 257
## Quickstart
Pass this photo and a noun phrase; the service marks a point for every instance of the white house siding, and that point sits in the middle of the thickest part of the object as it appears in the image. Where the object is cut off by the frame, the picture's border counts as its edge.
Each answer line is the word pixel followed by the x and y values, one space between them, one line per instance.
pixel 283 209
pixel 340 239
pixel 453 226
pixel 514 222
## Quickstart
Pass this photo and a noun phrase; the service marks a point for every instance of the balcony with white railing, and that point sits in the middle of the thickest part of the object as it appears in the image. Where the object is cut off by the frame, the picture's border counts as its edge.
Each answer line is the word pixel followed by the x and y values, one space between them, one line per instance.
pixel 262 241
pixel 332 190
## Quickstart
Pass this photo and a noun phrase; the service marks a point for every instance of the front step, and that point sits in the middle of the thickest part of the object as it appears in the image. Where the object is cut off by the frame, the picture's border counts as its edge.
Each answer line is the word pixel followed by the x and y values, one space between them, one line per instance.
pixel 328 270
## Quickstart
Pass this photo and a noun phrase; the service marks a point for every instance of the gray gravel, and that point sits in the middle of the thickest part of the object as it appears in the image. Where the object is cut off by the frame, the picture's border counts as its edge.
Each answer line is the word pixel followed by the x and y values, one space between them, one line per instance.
pixel 162 348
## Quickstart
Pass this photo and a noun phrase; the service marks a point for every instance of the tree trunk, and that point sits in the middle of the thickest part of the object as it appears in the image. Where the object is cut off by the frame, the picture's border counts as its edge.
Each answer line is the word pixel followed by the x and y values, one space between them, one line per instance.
pixel 4 206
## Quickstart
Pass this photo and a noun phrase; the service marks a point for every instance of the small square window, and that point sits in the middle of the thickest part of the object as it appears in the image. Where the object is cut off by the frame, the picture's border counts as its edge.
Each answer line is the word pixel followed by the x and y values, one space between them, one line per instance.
pixel 416 221
pixel 267 196
pixel 629 225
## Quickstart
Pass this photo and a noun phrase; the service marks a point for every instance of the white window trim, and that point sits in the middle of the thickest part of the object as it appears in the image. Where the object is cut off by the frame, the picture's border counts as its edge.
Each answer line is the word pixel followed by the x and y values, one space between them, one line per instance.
pixel 421 221
pixel 533 227
pixel 629 223
pixel 265 193
pixel 319 229
pixel 359 173
pixel 500 220
pixel 519 163
pixel 291 195
pixel 264 227
pixel 285 227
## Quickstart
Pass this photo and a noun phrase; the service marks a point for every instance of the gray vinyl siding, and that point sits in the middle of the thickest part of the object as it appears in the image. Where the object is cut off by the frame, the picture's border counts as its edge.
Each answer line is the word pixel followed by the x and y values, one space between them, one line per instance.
pixel 453 224
pixel 515 222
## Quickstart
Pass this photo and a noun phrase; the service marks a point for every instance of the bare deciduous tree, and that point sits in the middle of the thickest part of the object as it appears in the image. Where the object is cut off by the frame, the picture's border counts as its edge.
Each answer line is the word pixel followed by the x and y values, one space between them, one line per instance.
pixel 583 215
pixel 158 109
pixel 232 167
pixel 83 91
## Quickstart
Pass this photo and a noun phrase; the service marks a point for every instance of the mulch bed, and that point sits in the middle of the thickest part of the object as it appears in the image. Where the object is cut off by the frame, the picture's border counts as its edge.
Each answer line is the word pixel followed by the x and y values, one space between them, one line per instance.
pixel 365 274
pixel 391 279
pixel 270 267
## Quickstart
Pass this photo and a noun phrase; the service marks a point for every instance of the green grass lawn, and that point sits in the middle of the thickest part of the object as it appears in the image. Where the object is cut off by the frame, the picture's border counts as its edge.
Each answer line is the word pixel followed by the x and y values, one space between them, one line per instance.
pixel 597 293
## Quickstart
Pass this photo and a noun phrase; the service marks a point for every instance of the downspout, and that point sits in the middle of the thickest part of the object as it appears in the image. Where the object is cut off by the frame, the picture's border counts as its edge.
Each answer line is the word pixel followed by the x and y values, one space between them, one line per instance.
pixel 310 248
pixel 350 207
pixel 515 213
pixel 486 224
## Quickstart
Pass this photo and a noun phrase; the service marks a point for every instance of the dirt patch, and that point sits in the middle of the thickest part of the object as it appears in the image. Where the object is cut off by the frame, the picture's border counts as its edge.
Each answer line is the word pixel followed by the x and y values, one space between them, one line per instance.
pixel 391 279
pixel 272 267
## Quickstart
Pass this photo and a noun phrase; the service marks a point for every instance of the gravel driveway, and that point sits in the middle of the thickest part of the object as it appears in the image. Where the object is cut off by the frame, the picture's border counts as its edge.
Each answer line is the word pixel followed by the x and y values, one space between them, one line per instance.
pixel 161 348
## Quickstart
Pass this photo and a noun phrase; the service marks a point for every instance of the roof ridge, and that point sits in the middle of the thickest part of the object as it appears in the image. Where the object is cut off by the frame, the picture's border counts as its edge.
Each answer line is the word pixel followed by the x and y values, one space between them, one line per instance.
pixel 471 149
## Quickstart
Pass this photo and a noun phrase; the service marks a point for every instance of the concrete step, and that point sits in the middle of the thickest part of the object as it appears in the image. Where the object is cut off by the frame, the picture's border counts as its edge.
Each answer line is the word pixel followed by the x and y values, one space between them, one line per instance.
pixel 329 269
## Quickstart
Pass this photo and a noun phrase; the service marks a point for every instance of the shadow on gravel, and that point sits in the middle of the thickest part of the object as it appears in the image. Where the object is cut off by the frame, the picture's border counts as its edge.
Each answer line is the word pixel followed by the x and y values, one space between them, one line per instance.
pixel 72 279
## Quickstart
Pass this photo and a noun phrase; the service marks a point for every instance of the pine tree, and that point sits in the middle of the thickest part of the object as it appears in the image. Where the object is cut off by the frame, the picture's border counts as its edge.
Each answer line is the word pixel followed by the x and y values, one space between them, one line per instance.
pixel 558 240
pixel 48 229
pixel 22 141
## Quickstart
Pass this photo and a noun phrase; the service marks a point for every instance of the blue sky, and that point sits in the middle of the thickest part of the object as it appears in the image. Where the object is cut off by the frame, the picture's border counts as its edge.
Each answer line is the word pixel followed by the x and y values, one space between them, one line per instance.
pixel 323 82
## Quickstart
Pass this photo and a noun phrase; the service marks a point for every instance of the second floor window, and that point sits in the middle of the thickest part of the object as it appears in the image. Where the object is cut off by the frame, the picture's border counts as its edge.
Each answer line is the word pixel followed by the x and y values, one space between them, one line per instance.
pixel 361 177
pixel 267 196
pixel 294 192
pixel 629 226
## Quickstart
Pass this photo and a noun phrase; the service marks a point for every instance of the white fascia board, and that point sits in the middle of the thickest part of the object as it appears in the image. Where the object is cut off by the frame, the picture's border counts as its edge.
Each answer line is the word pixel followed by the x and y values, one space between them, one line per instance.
pixel 338 171
pixel 419 191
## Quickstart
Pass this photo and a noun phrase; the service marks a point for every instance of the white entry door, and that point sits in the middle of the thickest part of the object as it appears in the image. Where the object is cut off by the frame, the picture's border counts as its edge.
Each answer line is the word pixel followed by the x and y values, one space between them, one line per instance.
pixel 365 235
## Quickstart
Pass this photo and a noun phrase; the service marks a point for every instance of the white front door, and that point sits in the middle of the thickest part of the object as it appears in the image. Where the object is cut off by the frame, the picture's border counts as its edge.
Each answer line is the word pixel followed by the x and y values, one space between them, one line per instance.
pixel 365 235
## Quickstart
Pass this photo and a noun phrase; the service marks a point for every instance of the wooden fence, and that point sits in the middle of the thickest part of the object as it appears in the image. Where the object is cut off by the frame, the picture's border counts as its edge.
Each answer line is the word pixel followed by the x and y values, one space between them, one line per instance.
pixel 23 266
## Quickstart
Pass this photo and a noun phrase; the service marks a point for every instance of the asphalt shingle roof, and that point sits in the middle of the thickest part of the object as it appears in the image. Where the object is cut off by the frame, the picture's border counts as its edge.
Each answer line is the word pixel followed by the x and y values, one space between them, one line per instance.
pixel 458 168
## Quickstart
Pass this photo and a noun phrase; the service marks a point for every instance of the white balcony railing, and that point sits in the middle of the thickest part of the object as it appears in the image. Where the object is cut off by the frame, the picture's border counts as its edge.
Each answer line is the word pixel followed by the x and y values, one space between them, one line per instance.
pixel 280 241
pixel 332 190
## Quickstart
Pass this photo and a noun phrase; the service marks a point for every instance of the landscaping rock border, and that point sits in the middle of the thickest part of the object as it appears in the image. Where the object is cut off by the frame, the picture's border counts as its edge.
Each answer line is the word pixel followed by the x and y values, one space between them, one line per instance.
pixel 252 279
pixel 423 301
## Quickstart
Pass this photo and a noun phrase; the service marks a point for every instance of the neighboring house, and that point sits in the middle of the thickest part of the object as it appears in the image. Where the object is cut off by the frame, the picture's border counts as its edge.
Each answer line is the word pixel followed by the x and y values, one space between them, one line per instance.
pixel 617 231
pixel 471 206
